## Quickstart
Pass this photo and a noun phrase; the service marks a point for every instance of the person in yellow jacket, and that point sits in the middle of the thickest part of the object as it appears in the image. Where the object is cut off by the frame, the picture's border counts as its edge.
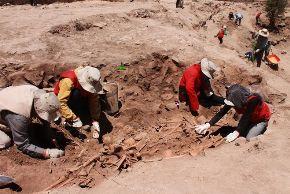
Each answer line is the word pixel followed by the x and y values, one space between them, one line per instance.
pixel 77 91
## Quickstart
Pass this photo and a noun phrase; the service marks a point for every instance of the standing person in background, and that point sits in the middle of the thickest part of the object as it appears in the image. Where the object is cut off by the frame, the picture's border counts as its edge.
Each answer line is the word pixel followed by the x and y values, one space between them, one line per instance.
pixel 179 4
pixel 33 3
pixel 78 92
pixel 231 16
pixel 238 18
pixel 261 45
pixel 258 18
pixel 255 113
pixel 222 32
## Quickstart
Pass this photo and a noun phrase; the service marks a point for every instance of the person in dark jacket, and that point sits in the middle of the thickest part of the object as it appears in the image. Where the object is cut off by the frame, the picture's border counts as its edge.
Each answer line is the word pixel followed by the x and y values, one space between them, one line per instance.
pixel 179 4
pixel 33 3
pixel 231 16
pixel 195 85
pixel 261 45
pixel 255 113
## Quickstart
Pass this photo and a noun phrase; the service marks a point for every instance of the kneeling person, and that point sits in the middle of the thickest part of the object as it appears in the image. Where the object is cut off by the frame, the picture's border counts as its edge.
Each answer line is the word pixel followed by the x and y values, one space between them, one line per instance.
pixel 18 104
pixel 255 113
pixel 195 85
pixel 77 91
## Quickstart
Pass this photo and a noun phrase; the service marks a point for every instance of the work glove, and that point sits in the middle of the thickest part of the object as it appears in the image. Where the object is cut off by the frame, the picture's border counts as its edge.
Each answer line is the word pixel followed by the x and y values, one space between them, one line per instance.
pixel 53 153
pixel 232 136
pixel 202 129
pixel 77 123
pixel 95 129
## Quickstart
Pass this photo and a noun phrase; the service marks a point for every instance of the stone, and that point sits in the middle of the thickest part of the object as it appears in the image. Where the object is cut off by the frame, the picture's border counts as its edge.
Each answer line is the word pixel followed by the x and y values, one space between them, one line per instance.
pixel 128 129
pixel 170 106
pixel 201 119
pixel 240 141
pixel 197 151
pixel 168 153
pixel 4 82
pixel 107 140
pixel 129 142
pixel 100 25
pixel 142 71
pixel 176 61
pixel 282 25
pixel 140 136
pixel 167 96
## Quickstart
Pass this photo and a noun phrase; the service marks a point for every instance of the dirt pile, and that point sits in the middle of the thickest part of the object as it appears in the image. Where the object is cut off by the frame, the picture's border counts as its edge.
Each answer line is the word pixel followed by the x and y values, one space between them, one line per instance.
pixel 72 27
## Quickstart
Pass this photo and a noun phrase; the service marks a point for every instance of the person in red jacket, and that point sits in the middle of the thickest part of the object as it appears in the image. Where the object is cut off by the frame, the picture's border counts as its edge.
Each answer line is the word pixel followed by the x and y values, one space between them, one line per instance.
pixel 258 16
pixel 194 86
pixel 255 113
pixel 220 35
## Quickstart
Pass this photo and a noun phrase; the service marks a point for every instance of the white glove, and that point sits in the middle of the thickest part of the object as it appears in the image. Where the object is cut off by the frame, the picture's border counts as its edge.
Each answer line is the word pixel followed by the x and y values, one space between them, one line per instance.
pixel 77 123
pixel 53 153
pixel 96 129
pixel 202 129
pixel 232 136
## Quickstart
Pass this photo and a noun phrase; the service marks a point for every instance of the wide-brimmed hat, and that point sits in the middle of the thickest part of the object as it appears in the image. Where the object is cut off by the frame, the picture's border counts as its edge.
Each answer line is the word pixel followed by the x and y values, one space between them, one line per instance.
pixel 208 68
pixel 264 32
pixel 90 79
pixel 46 105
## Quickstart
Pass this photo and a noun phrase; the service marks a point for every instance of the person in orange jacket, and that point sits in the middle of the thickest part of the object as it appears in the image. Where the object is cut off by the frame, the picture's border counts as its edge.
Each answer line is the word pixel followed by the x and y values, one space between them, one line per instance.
pixel 195 87
pixel 255 113
pixel 220 35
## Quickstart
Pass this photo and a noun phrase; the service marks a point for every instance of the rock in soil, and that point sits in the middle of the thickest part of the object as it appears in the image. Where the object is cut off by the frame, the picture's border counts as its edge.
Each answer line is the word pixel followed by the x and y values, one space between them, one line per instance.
pixel 129 142
pixel 140 136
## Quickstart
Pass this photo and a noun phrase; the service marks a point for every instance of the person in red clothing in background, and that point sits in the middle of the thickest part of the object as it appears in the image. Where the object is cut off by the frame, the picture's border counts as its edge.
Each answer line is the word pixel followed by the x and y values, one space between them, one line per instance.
pixel 220 35
pixel 195 87
pixel 258 18
pixel 255 113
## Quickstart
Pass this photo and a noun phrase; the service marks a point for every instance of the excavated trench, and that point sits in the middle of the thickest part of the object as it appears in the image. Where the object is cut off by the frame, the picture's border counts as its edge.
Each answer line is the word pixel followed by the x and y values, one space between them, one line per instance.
pixel 149 126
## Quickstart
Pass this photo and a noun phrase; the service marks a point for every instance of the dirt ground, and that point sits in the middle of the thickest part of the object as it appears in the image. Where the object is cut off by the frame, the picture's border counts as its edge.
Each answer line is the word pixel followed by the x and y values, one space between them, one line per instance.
pixel 156 42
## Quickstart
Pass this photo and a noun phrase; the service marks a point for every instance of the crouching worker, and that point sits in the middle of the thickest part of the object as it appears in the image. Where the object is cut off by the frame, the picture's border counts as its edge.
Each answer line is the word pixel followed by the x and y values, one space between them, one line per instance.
pixel 195 85
pixel 77 91
pixel 18 104
pixel 255 113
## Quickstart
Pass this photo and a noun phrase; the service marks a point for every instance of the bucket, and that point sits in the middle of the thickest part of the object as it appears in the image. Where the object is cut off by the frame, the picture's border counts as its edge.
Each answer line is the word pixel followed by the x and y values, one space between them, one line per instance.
pixel 110 98
pixel 274 59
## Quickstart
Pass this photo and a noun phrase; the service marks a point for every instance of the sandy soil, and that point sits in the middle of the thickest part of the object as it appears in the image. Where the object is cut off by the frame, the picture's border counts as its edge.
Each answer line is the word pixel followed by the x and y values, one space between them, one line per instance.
pixel 38 43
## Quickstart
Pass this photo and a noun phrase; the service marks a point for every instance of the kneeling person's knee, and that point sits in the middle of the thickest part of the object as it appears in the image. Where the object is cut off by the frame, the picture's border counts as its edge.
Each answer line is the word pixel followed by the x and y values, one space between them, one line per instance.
pixel 5 140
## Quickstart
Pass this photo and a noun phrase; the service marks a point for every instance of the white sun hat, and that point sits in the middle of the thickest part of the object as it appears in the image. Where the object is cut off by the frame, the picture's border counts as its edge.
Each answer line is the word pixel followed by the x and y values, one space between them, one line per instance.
pixel 208 68
pixel 46 105
pixel 264 32
pixel 90 79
